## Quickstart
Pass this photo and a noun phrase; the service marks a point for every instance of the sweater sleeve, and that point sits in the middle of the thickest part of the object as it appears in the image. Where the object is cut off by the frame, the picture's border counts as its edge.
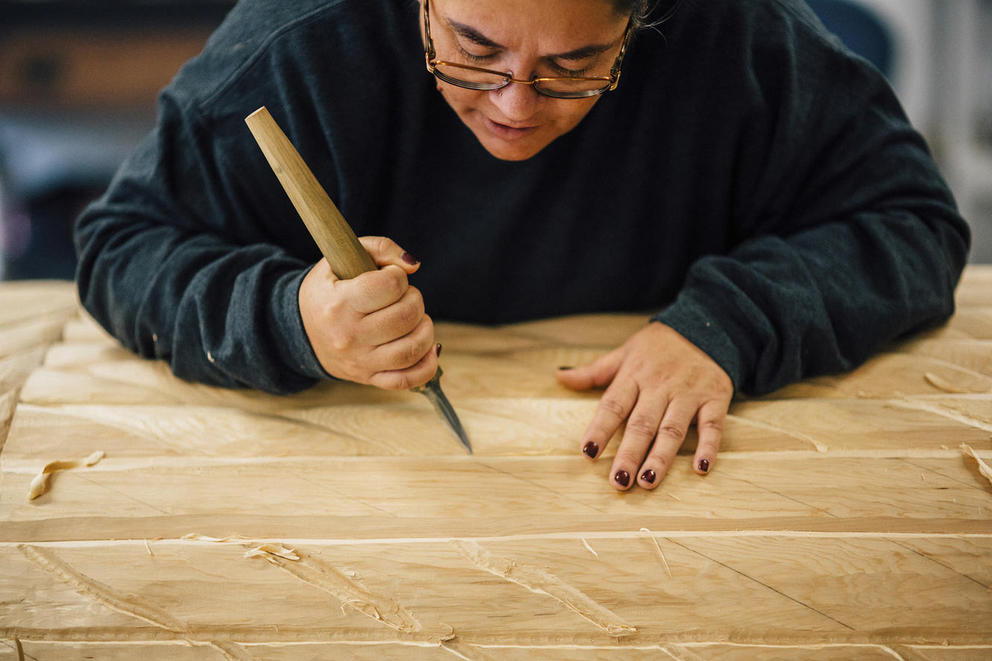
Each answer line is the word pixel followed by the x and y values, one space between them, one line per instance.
pixel 851 238
pixel 175 264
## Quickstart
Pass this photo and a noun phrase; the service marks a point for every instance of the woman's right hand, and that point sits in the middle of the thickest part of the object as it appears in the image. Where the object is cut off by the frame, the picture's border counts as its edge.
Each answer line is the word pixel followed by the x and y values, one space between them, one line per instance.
pixel 371 329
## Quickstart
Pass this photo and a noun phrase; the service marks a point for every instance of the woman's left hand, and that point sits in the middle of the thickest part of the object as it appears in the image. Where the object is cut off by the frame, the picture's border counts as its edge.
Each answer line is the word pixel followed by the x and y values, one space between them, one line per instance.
pixel 658 382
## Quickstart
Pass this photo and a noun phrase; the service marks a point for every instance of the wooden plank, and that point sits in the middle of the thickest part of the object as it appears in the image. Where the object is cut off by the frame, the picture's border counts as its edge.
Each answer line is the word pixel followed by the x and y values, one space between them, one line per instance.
pixel 499 427
pixel 888 373
pixel 416 497
pixel 27 300
pixel 28 335
pixel 971 354
pixel 182 651
pixel 975 288
pixel 529 592
pixel 970 322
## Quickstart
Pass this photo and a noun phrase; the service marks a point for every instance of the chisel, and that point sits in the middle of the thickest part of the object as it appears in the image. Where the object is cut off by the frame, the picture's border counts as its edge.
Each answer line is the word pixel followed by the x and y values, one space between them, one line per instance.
pixel 330 231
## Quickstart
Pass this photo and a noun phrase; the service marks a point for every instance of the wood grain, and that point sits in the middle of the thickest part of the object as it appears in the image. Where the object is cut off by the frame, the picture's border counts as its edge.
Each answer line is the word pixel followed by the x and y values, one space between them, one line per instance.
pixel 841 519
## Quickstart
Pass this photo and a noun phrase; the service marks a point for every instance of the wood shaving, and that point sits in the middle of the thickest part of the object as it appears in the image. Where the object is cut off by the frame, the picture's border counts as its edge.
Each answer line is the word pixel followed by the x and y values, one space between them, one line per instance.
pixel 42 481
pixel 278 550
pixel 943 384
pixel 661 554
pixel 197 537
pixel 589 548
pixel 983 467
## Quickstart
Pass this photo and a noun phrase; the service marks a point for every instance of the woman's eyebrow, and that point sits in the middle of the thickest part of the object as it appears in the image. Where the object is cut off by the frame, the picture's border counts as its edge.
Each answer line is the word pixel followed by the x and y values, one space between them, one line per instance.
pixel 582 53
pixel 473 35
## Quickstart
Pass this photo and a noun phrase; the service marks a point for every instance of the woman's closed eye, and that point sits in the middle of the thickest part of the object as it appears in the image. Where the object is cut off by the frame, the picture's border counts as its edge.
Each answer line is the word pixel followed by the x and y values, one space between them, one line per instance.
pixel 556 69
pixel 477 58
pixel 567 72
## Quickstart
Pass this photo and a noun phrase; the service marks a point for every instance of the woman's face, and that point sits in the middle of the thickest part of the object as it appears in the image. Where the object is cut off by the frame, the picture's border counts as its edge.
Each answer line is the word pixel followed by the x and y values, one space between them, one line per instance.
pixel 527 38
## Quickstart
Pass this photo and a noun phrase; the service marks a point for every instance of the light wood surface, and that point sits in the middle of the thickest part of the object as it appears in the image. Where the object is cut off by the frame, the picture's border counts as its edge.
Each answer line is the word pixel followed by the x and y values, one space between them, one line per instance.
pixel 841 519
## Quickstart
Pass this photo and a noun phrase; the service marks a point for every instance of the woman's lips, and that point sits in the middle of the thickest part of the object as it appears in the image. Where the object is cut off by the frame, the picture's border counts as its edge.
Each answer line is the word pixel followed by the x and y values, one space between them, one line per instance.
pixel 508 133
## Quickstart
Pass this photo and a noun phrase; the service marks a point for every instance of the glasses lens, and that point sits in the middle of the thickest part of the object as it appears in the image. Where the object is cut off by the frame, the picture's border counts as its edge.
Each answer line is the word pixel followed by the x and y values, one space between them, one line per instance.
pixel 572 89
pixel 470 78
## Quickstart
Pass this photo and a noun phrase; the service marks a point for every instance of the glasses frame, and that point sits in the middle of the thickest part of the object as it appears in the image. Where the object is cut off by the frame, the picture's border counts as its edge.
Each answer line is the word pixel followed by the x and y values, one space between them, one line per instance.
pixel 609 82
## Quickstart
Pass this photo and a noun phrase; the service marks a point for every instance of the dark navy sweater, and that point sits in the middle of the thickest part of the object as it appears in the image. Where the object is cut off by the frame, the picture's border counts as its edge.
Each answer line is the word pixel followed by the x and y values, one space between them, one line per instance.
pixel 750 183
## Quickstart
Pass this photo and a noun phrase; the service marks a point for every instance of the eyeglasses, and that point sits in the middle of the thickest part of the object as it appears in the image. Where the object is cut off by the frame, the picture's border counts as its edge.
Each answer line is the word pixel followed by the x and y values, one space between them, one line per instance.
pixel 476 78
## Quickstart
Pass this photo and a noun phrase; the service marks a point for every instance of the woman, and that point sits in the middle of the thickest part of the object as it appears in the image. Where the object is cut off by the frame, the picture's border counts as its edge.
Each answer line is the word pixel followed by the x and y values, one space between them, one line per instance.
pixel 733 169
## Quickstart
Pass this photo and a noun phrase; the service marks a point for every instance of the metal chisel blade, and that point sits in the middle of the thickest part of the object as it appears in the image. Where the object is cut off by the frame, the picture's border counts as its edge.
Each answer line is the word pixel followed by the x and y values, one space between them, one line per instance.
pixel 432 390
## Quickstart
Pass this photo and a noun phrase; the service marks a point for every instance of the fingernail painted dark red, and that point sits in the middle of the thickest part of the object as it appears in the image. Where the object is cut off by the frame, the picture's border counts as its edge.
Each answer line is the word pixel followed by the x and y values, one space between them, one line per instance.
pixel 622 478
pixel 590 449
pixel 410 259
pixel 704 465
pixel 649 476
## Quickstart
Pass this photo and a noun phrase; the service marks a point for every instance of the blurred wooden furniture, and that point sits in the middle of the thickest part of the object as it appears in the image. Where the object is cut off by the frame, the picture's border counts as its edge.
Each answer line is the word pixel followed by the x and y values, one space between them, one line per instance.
pixel 102 55
pixel 840 521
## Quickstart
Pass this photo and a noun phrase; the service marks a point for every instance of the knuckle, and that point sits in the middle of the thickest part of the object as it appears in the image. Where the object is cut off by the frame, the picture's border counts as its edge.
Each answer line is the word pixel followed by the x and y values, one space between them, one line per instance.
pixel 342 339
pixel 409 315
pixel 612 406
pixel 416 299
pixel 335 307
pixel 641 426
pixel 673 431
pixel 397 283
pixel 401 382
pixel 711 424
pixel 411 354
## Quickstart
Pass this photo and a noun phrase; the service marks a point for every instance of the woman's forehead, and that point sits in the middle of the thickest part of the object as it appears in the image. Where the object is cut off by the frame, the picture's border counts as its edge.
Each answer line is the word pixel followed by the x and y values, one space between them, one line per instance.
pixel 553 26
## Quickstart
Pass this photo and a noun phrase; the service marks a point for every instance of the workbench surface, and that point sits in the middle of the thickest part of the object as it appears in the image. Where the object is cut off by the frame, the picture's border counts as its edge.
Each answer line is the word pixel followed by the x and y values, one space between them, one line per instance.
pixel 842 519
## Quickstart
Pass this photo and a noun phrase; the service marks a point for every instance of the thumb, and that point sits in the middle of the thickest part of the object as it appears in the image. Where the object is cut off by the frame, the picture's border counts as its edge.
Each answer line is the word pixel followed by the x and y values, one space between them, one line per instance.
pixel 384 251
pixel 597 374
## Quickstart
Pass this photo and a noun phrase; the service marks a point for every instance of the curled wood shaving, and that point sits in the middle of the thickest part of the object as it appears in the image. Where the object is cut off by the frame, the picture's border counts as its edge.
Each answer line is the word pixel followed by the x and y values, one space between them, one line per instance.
pixel 983 467
pixel 41 482
pixel 943 384
pixel 277 550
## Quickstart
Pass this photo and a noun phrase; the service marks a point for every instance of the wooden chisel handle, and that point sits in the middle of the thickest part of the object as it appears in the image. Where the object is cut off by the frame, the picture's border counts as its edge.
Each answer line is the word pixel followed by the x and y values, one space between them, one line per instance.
pixel 330 231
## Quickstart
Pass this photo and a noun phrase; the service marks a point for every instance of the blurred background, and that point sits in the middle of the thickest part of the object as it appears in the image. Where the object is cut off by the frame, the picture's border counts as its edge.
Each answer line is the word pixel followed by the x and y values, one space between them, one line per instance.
pixel 78 82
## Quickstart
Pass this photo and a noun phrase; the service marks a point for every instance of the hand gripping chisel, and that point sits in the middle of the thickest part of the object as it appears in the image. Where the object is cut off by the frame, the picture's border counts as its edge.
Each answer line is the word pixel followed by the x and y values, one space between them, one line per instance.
pixel 330 231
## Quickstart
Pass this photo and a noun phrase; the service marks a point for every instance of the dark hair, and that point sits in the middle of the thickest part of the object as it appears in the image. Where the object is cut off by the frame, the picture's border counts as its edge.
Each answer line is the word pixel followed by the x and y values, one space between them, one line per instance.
pixel 646 13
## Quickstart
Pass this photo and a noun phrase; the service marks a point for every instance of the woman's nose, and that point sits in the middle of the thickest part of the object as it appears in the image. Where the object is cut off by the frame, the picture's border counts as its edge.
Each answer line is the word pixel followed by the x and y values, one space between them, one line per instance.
pixel 517 102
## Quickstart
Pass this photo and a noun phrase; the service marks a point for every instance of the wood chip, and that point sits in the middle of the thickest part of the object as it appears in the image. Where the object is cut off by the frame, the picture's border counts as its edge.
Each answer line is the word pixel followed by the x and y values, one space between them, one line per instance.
pixel 41 482
pixel 983 467
pixel 943 384
pixel 278 550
